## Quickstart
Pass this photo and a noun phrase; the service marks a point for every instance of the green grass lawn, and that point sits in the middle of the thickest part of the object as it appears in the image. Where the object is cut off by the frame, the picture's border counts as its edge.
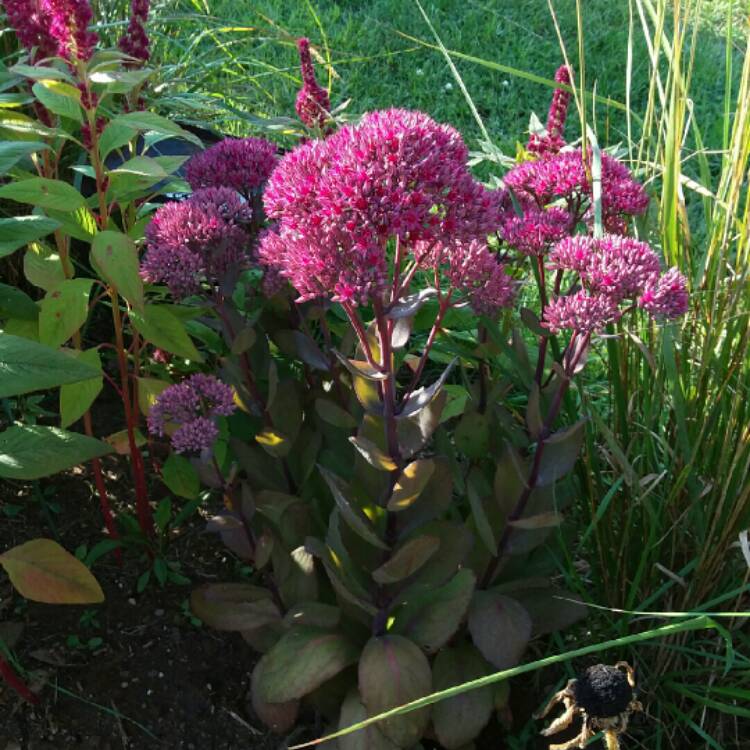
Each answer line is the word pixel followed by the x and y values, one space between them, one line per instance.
pixel 242 53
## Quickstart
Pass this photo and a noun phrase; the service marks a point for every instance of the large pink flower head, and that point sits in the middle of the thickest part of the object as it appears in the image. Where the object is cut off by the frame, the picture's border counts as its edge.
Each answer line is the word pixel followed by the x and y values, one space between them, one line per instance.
pixel 313 104
pixel 135 42
pixel 243 164
pixel 397 174
pixel 197 241
pixel 190 409
pixel 554 139
pixel 562 178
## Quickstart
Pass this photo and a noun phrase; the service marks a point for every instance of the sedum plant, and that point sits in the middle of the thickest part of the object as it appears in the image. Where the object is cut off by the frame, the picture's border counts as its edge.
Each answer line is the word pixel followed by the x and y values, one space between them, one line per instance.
pixel 392 449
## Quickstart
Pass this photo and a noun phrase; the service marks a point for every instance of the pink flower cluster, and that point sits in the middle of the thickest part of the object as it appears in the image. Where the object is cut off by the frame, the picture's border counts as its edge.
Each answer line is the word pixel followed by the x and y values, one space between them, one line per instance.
pixel 553 140
pixel 197 241
pixel 397 174
pixel 192 408
pixel 562 178
pixel 135 42
pixel 474 270
pixel 612 270
pixel 53 27
pixel 313 104
pixel 243 164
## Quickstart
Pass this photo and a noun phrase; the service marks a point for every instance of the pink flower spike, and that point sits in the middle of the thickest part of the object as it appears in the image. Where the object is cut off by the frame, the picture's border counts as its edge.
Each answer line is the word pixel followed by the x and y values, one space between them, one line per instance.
pixel 135 42
pixel 554 139
pixel 313 104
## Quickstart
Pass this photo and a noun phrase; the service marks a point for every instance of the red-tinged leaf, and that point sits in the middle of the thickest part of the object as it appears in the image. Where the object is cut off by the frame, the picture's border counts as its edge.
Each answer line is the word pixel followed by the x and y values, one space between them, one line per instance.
pixel 353 711
pixel 41 570
pixel 407 559
pixel 278 717
pixel 500 628
pixel 431 618
pixel 303 659
pixel 234 606
pixel 411 483
pixel 561 451
pixel 460 719
pixel 393 671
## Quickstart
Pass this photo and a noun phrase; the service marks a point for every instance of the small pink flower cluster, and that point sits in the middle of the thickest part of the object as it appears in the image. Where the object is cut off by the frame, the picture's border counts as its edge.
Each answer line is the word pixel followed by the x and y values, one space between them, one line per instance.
pixel 562 177
pixel 197 241
pixel 474 270
pixel 397 174
pixel 135 42
pixel 612 270
pixel 554 139
pixel 243 164
pixel 313 104
pixel 192 408
pixel 53 27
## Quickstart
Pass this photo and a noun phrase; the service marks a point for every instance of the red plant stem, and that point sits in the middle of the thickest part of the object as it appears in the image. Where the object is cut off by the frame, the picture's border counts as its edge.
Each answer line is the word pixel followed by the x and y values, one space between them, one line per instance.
pixel 388 394
pixel 533 478
pixel 444 305
pixel 244 362
pixel 8 674
pixel 543 343
pixel 359 329
pixel 143 509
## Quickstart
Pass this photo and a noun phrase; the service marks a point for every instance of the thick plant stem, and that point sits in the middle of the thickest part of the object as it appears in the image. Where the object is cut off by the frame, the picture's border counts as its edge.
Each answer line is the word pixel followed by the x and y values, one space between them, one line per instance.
pixel 11 678
pixel 143 510
pixel 581 342
pixel 388 394
pixel 96 466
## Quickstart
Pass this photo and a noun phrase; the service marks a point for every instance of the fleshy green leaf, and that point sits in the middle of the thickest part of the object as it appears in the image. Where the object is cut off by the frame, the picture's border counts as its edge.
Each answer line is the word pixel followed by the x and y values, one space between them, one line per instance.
pixel 161 327
pixel 561 451
pixel 32 451
pixel 354 516
pixel 41 570
pixel 332 413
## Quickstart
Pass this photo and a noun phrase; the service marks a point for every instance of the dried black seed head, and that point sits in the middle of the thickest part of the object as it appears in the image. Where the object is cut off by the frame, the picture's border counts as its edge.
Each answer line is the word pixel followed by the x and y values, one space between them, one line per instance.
pixel 603 692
